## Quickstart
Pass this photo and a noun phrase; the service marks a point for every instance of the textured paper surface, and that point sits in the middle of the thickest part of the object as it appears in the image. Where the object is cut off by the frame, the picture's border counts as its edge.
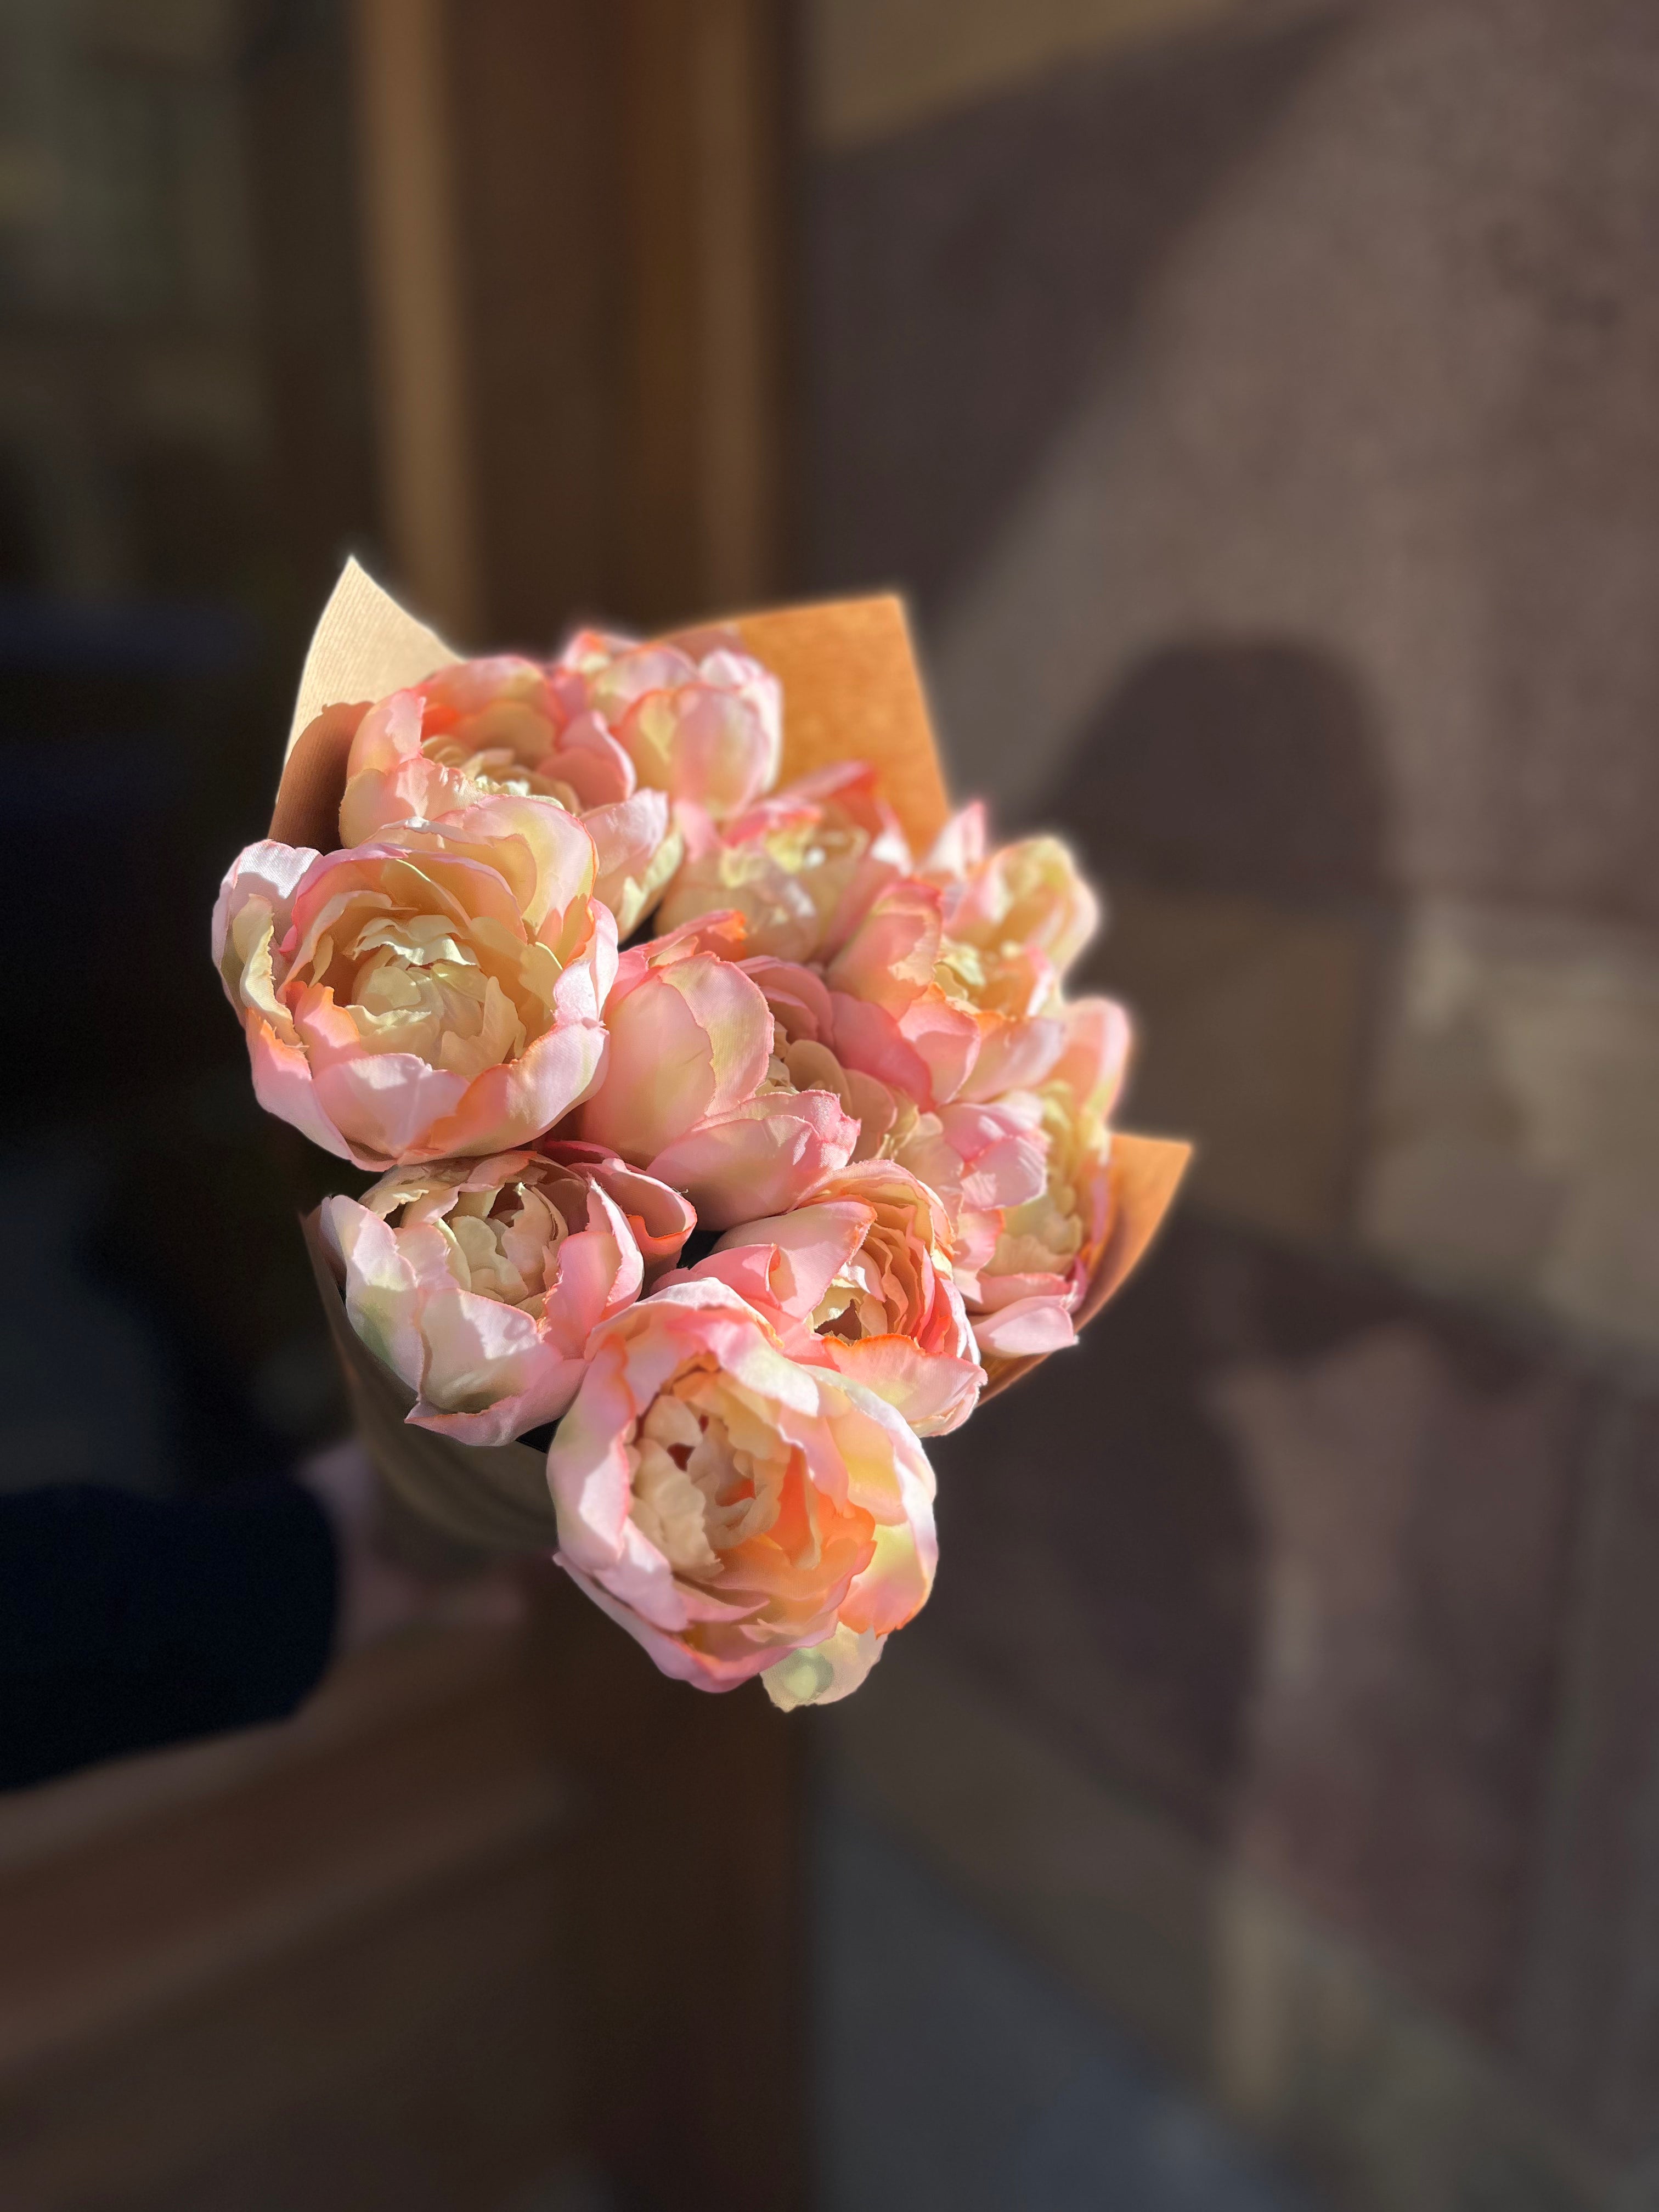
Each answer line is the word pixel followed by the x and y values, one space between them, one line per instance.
pixel 364 646
pixel 852 691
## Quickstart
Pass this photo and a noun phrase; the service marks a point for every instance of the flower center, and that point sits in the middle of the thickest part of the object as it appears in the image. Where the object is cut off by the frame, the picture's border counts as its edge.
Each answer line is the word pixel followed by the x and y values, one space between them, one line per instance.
pixel 876 1293
pixel 697 1494
pixel 501 1244
pixel 1043 1236
pixel 460 992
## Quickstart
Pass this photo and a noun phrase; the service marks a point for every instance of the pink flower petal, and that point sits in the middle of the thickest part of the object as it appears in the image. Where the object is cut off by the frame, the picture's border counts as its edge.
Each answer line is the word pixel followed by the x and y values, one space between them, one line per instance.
pixel 759 1158
pixel 1028 1325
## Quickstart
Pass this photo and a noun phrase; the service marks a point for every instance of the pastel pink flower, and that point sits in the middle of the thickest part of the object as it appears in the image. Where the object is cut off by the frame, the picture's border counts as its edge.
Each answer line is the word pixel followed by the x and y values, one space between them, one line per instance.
pixel 479 1282
pixel 858 1276
pixel 699 719
pixel 692 1091
pixel 803 1034
pixel 1029 1267
pixel 738 1512
pixel 801 866
pixel 508 725
pixel 1012 901
pixel 980 1160
pixel 929 1016
pixel 437 993
pixel 660 1219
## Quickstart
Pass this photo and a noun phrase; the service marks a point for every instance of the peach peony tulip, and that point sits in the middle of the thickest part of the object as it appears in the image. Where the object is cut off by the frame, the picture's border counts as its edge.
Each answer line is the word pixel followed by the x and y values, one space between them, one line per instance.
pixel 479 1282
pixel 931 1016
pixel 699 719
pixel 802 867
pixel 738 1512
pixel 1012 901
pixel 436 993
pixel 659 1219
pixel 693 1091
pixel 858 1276
pixel 508 725
pixel 1010 1172
pixel 803 1030
pixel 1025 1281
pixel 978 1159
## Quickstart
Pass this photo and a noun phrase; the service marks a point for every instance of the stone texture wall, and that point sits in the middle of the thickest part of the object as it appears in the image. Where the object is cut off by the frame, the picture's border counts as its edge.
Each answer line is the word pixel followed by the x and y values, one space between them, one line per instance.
pixel 1259 402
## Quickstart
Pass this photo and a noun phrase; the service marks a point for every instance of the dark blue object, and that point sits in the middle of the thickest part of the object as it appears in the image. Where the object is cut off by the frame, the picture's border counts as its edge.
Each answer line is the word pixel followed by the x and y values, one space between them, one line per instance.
pixel 128 1622
pixel 127 637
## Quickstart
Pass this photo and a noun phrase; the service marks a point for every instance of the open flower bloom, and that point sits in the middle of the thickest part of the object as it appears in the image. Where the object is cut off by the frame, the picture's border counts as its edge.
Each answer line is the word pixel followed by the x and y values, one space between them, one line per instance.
pixel 699 719
pixel 859 1277
pixel 1005 901
pixel 692 1092
pixel 1029 1266
pixel 978 1159
pixel 803 1055
pixel 659 1219
pixel 801 866
pixel 505 726
pixel 929 1015
pixel 436 993
pixel 479 1282
pixel 739 1512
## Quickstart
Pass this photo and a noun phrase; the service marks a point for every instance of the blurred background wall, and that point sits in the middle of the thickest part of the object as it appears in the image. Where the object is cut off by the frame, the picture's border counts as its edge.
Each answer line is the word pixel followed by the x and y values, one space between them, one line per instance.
pixel 1259 402
pixel 1256 398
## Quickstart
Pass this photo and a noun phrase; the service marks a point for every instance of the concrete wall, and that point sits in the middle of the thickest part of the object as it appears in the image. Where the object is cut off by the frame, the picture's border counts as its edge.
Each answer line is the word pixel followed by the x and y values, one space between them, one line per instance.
pixel 1259 402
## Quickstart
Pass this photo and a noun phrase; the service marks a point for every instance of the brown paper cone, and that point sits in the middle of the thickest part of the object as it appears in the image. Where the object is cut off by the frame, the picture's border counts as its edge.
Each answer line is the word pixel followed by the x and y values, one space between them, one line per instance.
pixel 364 647
pixel 852 691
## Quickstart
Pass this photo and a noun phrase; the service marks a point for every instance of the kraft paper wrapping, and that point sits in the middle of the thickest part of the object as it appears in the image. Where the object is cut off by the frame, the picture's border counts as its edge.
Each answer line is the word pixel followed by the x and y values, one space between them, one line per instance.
pixel 1145 1173
pixel 852 691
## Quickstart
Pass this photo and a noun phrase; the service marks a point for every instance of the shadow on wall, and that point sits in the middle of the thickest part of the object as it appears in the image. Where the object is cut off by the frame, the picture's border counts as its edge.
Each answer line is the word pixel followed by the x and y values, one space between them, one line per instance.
pixel 1103 1557
pixel 1152 1551
pixel 1233 796
pixel 1230 794
pixel 1252 766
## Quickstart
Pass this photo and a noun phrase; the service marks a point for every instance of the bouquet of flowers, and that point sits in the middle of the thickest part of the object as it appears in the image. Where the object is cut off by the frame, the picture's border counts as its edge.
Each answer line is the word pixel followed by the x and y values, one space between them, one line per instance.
pixel 731 1128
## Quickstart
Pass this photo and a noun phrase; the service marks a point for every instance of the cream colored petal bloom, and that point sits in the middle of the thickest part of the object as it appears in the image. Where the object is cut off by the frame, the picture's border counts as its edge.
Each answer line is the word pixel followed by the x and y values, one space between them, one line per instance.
pixel 516 729
pixel 729 1507
pixel 859 1278
pixel 437 992
pixel 480 1282
pixel 802 867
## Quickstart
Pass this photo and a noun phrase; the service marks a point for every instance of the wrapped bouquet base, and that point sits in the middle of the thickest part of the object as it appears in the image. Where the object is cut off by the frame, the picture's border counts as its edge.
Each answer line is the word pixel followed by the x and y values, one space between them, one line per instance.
pixel 488 1499
pixel 732 1124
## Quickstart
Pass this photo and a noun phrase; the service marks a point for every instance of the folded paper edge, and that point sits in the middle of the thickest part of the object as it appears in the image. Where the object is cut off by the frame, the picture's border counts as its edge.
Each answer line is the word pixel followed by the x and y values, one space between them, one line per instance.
pixel 365 646
pixel 1147 1172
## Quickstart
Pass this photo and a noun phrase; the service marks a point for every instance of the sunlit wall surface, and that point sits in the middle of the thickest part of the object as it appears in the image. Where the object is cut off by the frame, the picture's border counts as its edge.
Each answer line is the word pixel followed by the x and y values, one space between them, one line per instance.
pixel 1260 401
